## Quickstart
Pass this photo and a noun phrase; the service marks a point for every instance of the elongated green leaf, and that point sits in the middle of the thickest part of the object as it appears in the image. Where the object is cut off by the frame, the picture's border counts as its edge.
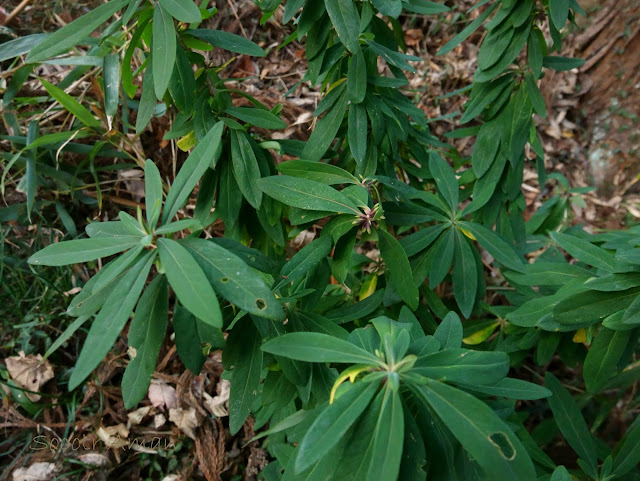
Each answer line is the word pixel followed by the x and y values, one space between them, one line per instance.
pixel 317 171
pixel 464 275
pixel 187 339
pixel 486 147
pixel 327 127
pixel 182 10
pixel 627 454
pixel 357 77
pixel 603 356
pixel 234 279
pixel 332 424
pixel 182 83
pixel 570 421
pixel 80 250
pixel 467 31
pixel 464 366
pixel 592 306
pixel 145 337
pixel 585 251
pixel 229 41
pixel 493 47
pixel 71 104
pixel 548 274
pixel 112 317
pixel 306 194
pixel 450 333
pixel 258 117
pixel 245 168
pixel 495 245
pixel 305 260
pixel 111 83
pixel 316 347
pixel 147 105
pixel 442 257
pixel 66 335
pixel 562 64
pixel 445 178
pixel 561 474
pixel 388 438
pixel 357 131
pixel 396 260
pixel 357 310
pixel 511 388
pixel 246 377
pixel 487 438
pixel 193 169
pixel 345 19
pixel 614 282
pixel 75 32
pixel 20 46
pixel 189 282
pixel 163 49
pixel 152 192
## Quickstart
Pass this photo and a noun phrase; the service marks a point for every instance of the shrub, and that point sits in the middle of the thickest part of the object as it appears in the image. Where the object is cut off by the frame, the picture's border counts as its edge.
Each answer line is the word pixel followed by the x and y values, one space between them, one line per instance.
pixel 312 347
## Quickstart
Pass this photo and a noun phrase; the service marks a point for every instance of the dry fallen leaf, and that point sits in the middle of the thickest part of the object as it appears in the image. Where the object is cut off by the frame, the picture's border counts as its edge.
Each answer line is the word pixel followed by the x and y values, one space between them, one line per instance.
pixel 136 417
pixel 114 436
pixel 97 460
pixel 185 420
pixel 216 404
pixel 162 395
pixel 159 420
pixel 29 372
pixel 35 472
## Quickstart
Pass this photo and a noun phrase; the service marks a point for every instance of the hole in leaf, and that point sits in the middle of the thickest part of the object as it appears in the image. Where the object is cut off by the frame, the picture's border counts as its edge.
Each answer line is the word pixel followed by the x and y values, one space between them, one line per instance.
pixel 261 304
pixel 224 280
pixel 501 441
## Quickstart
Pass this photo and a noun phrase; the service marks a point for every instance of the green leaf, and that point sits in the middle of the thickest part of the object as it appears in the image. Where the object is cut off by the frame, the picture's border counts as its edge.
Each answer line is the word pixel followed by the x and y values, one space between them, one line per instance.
pixel 246 377
pixel 75 32
pixel 258 117
pixel 333 423
pixel 548 274
pixel 111 73
pixel 465 275
pixel 80 250
pixel 495 245
pixel 418 241
pixel 467 31
pixel 388 438
pixel 245 168
pixel 535 96
pixel 591 307
pixel 163 50
pixel 305 260
pixel 111 319
pixel 189 282
pixel 182 83
pixel 327 127
pixel 613 282
pixel 627 455
pixel 345 19
pixel 358 310
pixel 603 357
pixel 561 474
pixel 20 46
pixel 562 64
pixel 464 366
pixel 146 334
pixel 182 10
pixel 585 251
pixel 152 192
pixel 229 41
pixel 306 194
pixel 493 47
pixel 441 257
pixel 317 171
pixel 487 438
pixel 572 425
pixel 357 77
pixel 234 280
pixel 511 388
pixel 316 347
pixel 394 58
pixel 71 104
pixel 187 339
pixel 445 179
pixel 559 10
pixel 450 333
pixel 396 260
pixel 486 147
pixel 147 105
pixel 424 7
pixel 357 132
pixel 192 170
pixel 391 8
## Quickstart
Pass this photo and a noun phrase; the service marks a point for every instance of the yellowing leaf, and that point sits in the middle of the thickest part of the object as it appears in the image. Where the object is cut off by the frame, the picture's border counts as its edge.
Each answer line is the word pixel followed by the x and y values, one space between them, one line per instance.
pixel 187 142
pixel 580 336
